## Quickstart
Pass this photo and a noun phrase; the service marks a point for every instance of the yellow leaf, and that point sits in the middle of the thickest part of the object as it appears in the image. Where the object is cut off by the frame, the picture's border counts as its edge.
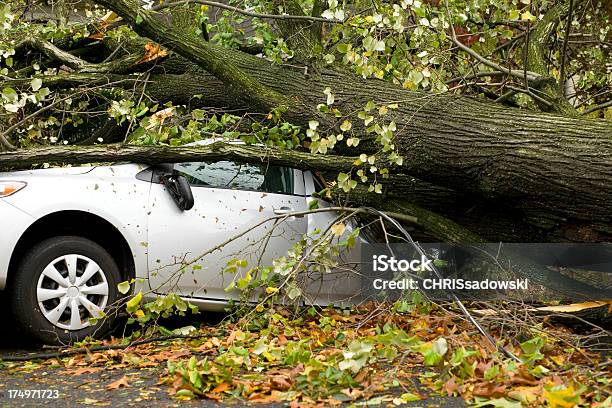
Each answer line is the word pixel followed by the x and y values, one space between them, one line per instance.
pixel 528 16
pixel 527 395
pixel 561 396
pixel 338 229
pixel 346 126
pixel 133 303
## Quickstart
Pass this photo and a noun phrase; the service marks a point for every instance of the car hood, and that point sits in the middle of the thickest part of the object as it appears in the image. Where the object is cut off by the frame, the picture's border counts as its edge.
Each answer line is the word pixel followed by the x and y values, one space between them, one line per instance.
pixel 115 170
pixel 55 171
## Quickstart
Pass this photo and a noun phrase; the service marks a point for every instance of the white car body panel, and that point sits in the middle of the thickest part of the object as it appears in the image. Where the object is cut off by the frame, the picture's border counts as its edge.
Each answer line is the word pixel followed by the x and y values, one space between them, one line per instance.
pixel 158 233
pixel 13 223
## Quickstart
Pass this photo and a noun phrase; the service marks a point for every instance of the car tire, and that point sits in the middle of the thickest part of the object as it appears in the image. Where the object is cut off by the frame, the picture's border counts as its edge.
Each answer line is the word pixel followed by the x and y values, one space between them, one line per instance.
pixel 60 285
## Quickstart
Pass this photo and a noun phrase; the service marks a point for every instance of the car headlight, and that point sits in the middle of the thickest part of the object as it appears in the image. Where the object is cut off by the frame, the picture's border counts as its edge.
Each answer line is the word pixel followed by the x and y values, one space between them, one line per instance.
pixel 8 188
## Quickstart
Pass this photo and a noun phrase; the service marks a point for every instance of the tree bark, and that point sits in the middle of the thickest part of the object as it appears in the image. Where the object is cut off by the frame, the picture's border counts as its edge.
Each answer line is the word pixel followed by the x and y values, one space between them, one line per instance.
pixel 155 155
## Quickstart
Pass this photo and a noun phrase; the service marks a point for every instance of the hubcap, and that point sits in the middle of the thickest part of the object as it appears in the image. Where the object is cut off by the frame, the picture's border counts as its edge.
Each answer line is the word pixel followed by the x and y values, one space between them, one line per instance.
pixel 71 290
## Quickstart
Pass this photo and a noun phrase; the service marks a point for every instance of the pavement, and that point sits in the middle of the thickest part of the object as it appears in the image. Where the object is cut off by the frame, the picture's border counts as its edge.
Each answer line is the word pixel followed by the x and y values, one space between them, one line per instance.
pixel 61 388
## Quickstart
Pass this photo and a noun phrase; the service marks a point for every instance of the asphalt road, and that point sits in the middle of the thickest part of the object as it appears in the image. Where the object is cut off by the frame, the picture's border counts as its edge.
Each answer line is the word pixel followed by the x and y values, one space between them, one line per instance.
pixel 89 389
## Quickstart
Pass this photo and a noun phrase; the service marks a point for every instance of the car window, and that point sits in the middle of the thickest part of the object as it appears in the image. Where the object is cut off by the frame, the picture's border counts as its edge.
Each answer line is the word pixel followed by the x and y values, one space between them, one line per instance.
pixel 238 176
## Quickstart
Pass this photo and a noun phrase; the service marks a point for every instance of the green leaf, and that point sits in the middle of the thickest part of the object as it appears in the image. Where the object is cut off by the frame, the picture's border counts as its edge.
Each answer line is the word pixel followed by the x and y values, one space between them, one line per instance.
pixel 343 48
pixel 9 94
pixel 346 126
pixel 124 287
pixel 433 351
pixel 294 292
pixel 369 106
pixel 496 403
pixel 409 397
pixel 36 84
pixel 372 44
pixel 528 16
pixel 138 19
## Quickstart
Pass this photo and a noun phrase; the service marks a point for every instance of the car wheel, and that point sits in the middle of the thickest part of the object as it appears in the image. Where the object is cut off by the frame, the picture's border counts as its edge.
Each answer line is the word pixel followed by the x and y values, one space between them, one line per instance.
pixel 61 285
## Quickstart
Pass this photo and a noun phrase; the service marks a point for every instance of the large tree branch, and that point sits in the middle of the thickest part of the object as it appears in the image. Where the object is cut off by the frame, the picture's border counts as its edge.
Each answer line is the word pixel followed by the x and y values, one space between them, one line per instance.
pixel 210 58
pixel 155 155
pixel 598 107
pixel 554 170
pixel 78 64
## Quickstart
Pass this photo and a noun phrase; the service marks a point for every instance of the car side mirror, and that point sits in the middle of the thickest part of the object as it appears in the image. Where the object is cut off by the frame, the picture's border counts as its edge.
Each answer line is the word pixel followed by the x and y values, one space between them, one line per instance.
pixel 180 191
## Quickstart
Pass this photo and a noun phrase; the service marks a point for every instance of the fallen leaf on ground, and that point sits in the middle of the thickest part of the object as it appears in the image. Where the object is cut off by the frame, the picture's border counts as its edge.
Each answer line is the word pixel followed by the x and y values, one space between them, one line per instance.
pixel 82 370
pixel 122 382
pixel 575 307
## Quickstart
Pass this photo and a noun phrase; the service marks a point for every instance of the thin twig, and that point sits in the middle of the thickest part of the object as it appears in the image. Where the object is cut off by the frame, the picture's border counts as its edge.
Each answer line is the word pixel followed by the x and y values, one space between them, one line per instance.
pixel 476 75
pixel 528 92
pixel 531 76
pixel 3 135
pixel 568 27
pixel 247 12
pixel 598 107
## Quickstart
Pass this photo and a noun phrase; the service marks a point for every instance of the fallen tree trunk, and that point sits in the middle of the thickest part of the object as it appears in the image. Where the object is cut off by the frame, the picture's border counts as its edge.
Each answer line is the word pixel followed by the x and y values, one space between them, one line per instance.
pixel 436 226
pixel 554 172
pixel 490 221
pixel 557 170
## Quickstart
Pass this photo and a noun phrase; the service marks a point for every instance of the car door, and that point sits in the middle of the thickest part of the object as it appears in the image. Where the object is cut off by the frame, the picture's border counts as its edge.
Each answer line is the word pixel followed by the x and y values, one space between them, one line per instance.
pixel 230 198
pixel 343 285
